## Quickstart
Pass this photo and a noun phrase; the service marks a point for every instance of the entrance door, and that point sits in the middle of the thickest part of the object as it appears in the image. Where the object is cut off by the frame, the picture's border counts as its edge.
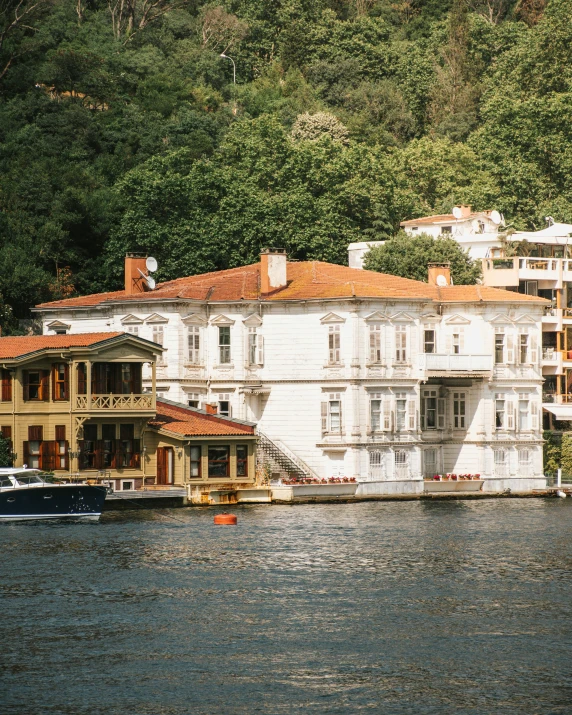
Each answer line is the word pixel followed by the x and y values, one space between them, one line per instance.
pixel 430 463
pixel 165 465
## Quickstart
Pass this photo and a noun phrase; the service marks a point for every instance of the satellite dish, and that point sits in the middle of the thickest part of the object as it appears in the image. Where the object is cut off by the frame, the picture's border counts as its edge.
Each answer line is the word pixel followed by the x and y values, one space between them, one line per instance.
pixel 496 218
pixel 457 213
pixel 150 282
pixel 441 281
pixel 151 264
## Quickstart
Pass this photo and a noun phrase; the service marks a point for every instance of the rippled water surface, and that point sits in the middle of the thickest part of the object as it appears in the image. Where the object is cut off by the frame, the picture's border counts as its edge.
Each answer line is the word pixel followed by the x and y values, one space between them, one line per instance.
pixel 405 607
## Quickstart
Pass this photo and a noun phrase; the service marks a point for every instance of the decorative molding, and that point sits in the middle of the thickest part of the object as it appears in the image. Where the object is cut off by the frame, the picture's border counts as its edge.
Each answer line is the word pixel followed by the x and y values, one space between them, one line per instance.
pixel 131 320
pixel 156 318
pixel 57 324
pixel 402 317
pixel 457 320
pixel 194 319
pixel 222 320
pixel 525 320
pixel 376 317
pixel 253 321
pixel 332 318
pixel 501 318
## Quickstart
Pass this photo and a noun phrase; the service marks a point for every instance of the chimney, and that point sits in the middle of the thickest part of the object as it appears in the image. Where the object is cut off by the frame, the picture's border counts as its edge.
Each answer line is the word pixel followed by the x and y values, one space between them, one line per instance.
pixel 272 270
pixel 134 283
pixel 440 274
pixel 211 408
pixel 465 211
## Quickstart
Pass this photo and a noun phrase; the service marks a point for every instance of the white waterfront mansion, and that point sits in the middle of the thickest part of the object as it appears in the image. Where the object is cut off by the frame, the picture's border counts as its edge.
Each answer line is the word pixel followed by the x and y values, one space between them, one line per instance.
pixel 349 372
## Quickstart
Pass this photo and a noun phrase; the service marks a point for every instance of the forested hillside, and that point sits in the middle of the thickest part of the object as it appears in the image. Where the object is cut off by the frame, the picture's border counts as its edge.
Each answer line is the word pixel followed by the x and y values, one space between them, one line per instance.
pixel 121 128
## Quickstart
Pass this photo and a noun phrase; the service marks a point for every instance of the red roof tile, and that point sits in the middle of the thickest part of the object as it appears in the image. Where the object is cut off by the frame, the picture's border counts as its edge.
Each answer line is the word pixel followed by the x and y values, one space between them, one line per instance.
pixel 17 346
pixel 443 218
pixel 188 422
pixel 307 280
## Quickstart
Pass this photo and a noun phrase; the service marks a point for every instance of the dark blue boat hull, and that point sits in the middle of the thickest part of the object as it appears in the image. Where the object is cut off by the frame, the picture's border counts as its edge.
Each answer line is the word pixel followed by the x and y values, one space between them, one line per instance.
pixel 49 501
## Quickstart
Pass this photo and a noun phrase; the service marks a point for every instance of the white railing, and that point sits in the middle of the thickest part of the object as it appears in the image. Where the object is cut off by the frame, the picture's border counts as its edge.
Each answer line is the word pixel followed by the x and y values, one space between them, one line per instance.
pixel 456 363
pixel 402 471
pixel 115 402
pixel 549 354
pixel 538 264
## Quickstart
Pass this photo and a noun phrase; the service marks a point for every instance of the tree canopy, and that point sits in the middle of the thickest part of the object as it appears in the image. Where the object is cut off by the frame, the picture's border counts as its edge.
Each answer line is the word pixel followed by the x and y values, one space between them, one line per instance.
pixel 122 127
pixel 408 256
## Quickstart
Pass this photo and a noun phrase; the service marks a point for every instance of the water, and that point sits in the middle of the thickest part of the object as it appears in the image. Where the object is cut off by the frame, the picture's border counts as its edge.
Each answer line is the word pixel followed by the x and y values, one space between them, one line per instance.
pixel 405 607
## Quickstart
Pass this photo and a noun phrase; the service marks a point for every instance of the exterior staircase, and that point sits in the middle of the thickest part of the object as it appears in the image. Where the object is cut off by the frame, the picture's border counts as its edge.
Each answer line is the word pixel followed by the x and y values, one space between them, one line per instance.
pixel 280 460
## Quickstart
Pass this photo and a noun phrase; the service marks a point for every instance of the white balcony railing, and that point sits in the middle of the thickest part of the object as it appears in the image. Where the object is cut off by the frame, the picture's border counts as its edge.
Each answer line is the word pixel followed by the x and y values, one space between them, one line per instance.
pixel 456 363
pixel 114 402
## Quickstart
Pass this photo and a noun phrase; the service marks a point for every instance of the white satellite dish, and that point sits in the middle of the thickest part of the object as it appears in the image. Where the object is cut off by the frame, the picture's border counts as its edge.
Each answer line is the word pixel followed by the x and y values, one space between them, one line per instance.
pixel 151 264
pixel 149 280
pixel 442 281
pixel 496 218
pixel 457 213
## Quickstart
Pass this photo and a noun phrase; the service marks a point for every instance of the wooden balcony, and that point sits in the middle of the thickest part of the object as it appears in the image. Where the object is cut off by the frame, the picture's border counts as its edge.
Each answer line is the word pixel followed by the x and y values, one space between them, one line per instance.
pixel 107 403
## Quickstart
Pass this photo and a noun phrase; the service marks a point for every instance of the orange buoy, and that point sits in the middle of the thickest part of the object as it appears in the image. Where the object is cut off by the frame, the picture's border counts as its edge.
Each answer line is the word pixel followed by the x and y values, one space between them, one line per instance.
pixel 225 518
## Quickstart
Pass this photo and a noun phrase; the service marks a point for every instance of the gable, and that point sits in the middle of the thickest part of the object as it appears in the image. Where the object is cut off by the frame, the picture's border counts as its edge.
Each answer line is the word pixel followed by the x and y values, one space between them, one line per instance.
pixel 332 318
pixel 376 317
pixel 131 320
pixel 458 320
pixel 402 318
pixel 222 320
pixel 525 320
pixel 194 319
pixel 58 325
pixel 501 319
pixel 156 318
pixel 253 321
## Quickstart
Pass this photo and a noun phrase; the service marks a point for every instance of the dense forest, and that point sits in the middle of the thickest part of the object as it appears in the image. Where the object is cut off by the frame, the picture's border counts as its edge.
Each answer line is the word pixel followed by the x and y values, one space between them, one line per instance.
pixel 203 132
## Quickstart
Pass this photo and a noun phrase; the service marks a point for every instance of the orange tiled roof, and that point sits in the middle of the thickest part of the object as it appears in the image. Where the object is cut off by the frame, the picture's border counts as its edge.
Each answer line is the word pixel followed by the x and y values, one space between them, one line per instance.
pixel 189 422
pixel 443 218
pixel 17 346
pixel 307 280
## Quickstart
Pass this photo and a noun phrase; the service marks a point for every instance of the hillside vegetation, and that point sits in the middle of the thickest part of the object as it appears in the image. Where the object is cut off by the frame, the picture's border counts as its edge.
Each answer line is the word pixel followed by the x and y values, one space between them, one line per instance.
pixel 121 128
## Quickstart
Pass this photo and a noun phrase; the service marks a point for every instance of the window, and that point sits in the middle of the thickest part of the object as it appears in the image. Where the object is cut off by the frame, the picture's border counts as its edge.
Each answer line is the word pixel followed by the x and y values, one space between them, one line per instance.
pixel 133 329
pixel 429 341
pixel 432 410
pixel 501 463
pixel 6 386
pixel 500 411
pixel 334 344
pixel 224 344
pixel 376 470
pixel 400 412
pixel 430 462
pixel 456 341
pixel 108 446
pixel 60 331
pixel 219 462
pixel 33 447
pixel 194 345
pixel 36 384
pixel 401 460
pixel 254 348
pixel 375 353
pixel 194 399
pixel 61 456
pixel 459 410
pixel 224 406
pixel 401 344
pixel 129 448
pixel 375 408
pixel 196 462
pixel 525 462
pixel 6 432
pixel 158 334
pixel 127 485
pixel 499 348
pixel 60 381
pixel 523 348
pixel 523 413
pixel 446 229
pixel 241 460
pixel 332 413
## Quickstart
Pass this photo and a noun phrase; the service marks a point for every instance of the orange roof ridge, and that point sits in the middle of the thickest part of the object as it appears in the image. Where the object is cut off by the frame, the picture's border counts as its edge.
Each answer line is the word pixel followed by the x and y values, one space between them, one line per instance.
pixel 18 345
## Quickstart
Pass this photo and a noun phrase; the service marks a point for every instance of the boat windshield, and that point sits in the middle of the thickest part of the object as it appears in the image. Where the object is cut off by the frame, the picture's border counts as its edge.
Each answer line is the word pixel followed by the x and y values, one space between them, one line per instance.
pixel 5 482
pixel 24 479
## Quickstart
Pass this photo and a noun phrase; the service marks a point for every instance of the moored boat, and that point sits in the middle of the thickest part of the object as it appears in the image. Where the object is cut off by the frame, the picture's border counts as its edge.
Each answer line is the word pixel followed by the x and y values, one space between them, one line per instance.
pixel 25 495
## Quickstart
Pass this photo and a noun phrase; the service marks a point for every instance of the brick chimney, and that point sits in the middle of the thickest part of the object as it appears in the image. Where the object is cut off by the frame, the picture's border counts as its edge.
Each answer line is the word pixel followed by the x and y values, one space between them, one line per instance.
pixel 466 211
pixel 134 283
pixel 440 274
pixel 211 408
pixel 272 270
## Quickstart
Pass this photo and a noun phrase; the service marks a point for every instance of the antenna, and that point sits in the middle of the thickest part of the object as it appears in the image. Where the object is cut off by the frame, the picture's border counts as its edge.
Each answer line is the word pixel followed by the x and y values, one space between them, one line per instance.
pixel 496 218
pixel 149 280
pixel 441 281
pixel 151 264
pixel 549 220
pixel 457 213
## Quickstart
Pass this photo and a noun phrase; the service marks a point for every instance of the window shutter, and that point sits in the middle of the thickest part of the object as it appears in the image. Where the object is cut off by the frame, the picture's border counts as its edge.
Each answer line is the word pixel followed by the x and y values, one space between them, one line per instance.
pixel 66 382
pixel 81 379
pixel 461 339
pixel 440 413
pixel 136 454
pixel 510 349
pixel 26 381
pixel 510 423
pixel 98 462
pixel 372 347
pixel 60 432
pixel 45 385
pixel 387 413
pixel 411 413
pixel 533 349
pixel 35 433
pixel 246 350
pixel 324 417
pixel 48 456
pixel 26 452
pixel 449 344
pixel 534 415
pixel 54 373
pixel 341 416
pixel 6 386
pixel 137 384
pixel 260 349
pixel 161 465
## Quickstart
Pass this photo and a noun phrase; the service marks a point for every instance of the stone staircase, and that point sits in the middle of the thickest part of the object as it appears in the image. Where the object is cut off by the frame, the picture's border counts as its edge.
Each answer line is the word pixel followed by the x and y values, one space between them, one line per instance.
pixel 282 463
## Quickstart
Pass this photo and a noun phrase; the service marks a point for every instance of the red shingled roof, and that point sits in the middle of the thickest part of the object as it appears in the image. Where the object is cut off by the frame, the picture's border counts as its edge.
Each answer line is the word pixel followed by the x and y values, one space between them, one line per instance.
pixel 443 218
pixel 188 422
pixel 307 280
pixel 17 346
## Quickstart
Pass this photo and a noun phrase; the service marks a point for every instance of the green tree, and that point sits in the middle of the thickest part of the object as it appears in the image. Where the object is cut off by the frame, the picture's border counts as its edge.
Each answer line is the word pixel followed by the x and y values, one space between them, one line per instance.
pixel 566 454
pixel 6 458
pixel 408 256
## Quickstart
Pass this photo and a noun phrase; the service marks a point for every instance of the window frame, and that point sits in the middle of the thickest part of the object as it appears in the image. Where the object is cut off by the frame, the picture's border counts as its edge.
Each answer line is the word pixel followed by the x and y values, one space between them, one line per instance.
pixel 432 343
pixel 225 461
pixel 194 345
pixel 242 461
pixel 224 348
pixel 334 344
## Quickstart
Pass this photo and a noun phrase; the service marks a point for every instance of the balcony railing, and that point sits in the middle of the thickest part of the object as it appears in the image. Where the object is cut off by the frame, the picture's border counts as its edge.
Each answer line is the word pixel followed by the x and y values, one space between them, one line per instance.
pixel 456 363
pixel 114 402
pixel 549 354
pixel 553 398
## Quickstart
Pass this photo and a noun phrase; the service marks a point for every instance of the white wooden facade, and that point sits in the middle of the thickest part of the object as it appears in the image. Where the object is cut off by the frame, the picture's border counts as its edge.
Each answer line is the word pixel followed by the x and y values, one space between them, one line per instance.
pixel 387 391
